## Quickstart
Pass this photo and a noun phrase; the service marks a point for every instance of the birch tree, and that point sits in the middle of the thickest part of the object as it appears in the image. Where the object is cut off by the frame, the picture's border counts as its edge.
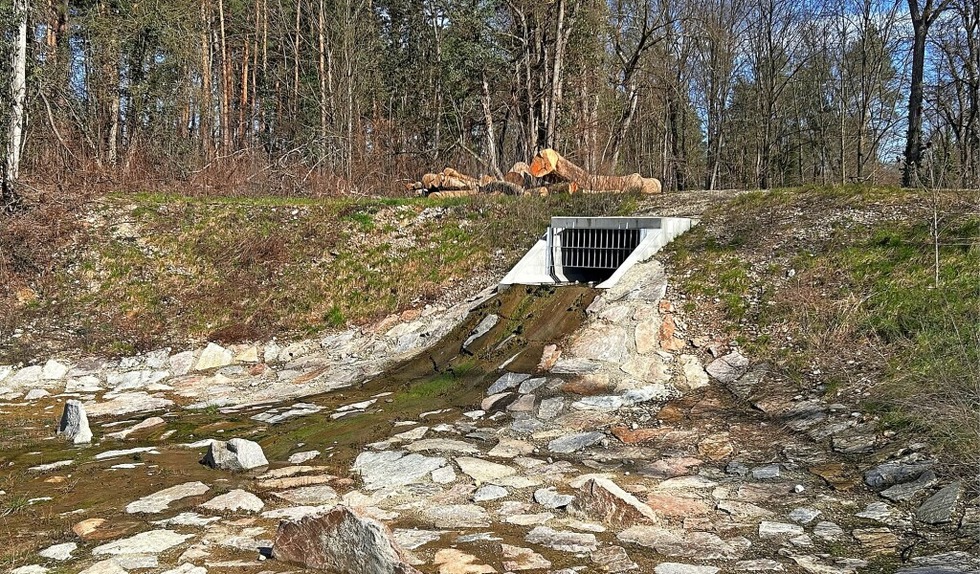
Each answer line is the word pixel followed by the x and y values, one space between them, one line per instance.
pixel 16 115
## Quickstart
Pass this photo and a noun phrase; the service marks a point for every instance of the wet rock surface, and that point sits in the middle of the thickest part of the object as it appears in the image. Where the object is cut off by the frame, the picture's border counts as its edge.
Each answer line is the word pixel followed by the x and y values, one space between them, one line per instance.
pixel 660 455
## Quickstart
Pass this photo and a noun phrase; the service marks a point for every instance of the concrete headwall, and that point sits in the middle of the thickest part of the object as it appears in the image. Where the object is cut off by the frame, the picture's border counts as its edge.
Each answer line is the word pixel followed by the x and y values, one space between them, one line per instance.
pixel 656 232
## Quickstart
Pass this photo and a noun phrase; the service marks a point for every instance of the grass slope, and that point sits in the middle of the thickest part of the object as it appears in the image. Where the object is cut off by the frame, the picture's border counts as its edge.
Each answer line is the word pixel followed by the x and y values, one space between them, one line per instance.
pixel 137 272
pixel 840 288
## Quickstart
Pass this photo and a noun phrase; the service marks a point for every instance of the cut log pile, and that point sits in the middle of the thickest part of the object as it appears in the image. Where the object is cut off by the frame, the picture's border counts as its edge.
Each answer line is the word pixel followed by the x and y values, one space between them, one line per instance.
pixel 548 173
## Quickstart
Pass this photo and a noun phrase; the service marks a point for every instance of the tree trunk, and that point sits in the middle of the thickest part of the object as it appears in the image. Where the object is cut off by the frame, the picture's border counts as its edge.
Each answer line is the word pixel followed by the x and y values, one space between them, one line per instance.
pixel 18 92
pixel 676 171
pixel 625 122
pixel 913 139
pixel 243 96
pixel 549 161
pixel 488 118
pixel 263 122
pixel 922 18
pixel 453 193
pixel 206 112
pixel 112 138
pixel 519 174
pixel 322 43
pixel 502 187
pixel 296 38
pixel 225 83
pixel 562 188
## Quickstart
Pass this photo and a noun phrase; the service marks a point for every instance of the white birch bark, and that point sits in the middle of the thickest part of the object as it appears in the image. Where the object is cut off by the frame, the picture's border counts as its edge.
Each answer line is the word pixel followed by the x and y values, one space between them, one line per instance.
pixel 18 92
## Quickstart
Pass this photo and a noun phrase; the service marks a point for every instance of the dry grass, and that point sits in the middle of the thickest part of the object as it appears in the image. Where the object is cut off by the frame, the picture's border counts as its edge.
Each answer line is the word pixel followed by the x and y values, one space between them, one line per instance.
pixel 837 287
pixel 149 270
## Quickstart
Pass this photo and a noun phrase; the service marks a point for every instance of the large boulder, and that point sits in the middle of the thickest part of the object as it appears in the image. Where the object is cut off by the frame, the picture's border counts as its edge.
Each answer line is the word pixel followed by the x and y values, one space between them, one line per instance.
pixel 236 454
pixel 340 541
pixel 74 423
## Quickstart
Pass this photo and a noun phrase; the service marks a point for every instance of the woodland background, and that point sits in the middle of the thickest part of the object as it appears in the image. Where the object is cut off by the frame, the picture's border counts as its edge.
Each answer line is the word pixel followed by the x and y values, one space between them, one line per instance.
pixel 321 97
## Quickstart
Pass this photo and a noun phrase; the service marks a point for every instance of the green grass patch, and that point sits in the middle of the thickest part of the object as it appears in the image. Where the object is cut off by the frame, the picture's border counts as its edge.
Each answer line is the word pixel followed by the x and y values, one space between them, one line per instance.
pixel 931 327
pixel 14 505
pixel 865 301
pixel 722 275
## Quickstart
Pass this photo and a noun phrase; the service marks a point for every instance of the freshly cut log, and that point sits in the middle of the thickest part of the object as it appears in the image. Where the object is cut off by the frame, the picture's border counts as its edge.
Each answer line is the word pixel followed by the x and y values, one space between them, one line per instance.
pixel 559 175
pixel 631 182
pixel 515 178
pixel 561 188
pixel 453 193
pixel 504 187
pixel 548 162
pixel 429 180
pixel 447 180
pixel 519 174
pixel 451 183
pixel 520 167
pixel 452 173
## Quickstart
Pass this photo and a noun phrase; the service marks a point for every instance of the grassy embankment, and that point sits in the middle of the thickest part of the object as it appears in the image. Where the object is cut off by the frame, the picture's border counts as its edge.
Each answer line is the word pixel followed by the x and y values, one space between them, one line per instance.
pixel 840 289
pixel 137 272
pixel 835 286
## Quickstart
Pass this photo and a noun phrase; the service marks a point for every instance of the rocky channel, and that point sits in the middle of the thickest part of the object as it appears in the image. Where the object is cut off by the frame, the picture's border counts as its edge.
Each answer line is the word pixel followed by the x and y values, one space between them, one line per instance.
pixel 625 445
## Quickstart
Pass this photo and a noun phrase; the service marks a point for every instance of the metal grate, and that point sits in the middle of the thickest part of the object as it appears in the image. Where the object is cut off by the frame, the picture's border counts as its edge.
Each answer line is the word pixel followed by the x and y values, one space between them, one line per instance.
pixel 597 248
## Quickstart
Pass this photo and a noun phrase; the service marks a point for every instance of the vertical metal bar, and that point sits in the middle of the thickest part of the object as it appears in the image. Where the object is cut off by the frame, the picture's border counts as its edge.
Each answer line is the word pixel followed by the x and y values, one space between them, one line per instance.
pixel 578 242
pixel 606 237
pixel 620 248
pixel 604 251
pixel 566 248
pixel 574 250
pixel 571 246
pixel 593 251
pixel 611 251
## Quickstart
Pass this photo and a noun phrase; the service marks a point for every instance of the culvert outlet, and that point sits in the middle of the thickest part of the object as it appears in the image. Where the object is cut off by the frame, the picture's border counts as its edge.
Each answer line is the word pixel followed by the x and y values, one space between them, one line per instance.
pixel 594 249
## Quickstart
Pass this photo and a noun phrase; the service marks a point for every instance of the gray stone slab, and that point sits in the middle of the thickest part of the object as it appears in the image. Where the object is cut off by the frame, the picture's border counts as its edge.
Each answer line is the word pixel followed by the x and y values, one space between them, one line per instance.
pixel 939 507
pixel 908 490
pixel 507 381
pixel 394 468
pixel 571 443
pixel 889 473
